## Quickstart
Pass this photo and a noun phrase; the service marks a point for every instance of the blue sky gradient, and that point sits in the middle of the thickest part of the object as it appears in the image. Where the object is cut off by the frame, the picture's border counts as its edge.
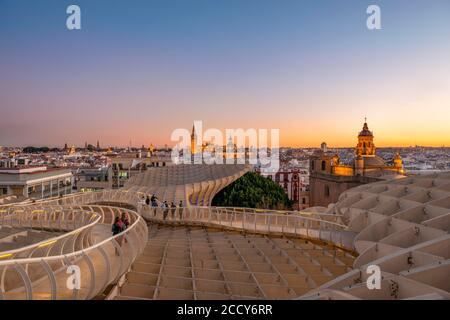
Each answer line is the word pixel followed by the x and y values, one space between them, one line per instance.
pixel 139 69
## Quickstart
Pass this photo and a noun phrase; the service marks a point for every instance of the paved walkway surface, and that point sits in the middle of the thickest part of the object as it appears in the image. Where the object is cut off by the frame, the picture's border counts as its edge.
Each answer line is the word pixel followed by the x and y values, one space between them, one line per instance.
pixel 182 262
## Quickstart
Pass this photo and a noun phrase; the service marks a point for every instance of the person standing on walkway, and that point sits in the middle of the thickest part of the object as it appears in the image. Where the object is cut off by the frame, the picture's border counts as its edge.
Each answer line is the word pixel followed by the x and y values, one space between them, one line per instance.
pixel 117 226
pixel 147 201
pixel 180 209
pixel 154 206
pixel 125 219
pixel 165 208
pixel 125 222
pixel 141 204
pixel 173 209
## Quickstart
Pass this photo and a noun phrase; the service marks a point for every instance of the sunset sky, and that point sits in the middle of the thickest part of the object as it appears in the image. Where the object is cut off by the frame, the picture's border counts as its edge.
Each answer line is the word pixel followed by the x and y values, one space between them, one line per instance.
pixel 137 70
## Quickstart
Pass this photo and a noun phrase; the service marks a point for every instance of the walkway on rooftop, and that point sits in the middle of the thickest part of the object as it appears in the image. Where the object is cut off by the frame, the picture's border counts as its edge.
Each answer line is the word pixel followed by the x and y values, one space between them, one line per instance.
pixel 182 262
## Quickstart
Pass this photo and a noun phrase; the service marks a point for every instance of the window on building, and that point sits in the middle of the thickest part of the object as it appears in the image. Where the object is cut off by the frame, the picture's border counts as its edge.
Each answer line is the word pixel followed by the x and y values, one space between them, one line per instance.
pixel 303 201
pixel 324 165
pixel 123 174
pixel 327 191
pixel 312 164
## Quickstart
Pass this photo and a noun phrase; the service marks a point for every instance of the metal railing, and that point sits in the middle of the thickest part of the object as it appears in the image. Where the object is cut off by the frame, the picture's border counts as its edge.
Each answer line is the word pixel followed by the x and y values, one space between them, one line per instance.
pixel 257 222
pixel 75 224
pixel 94 258
pixel 322 216
pixel 39 271
pixel 315 226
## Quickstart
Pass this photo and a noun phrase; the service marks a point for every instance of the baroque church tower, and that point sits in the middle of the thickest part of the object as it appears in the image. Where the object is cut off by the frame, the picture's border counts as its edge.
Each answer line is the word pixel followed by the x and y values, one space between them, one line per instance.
pixel 328 177
pixel 365 146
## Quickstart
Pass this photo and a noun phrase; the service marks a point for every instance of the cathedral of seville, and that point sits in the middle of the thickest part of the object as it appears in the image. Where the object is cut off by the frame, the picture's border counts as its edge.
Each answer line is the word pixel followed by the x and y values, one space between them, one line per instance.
pixel 329 178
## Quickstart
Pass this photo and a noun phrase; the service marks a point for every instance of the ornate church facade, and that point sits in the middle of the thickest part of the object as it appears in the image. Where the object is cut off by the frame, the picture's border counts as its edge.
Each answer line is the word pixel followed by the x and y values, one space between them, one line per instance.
pixel 329 178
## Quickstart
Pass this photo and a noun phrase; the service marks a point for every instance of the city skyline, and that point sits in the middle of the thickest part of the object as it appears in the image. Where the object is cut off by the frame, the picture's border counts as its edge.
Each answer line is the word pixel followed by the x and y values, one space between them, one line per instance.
pixel 142 69
pixel 162 146
pixel 225 150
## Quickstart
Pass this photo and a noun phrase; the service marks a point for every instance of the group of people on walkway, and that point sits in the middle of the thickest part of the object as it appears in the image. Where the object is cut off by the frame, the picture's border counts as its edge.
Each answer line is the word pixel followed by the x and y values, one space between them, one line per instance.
pixel 164 206
pixel 153 201
pixel 121 223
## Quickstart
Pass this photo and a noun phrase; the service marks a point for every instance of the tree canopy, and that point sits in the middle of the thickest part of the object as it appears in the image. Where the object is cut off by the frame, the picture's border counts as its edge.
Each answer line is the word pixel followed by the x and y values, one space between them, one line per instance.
pixel 253 191
pixel 36 149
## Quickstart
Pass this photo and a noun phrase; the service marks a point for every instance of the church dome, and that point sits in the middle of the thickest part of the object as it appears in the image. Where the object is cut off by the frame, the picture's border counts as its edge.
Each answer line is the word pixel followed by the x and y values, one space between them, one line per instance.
pixel 374 161
pixel 365 131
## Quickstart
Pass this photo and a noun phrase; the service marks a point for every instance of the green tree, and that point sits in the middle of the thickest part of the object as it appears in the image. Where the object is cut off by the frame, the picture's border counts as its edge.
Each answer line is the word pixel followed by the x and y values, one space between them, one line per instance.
pixel 253 191
pixel 35 149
